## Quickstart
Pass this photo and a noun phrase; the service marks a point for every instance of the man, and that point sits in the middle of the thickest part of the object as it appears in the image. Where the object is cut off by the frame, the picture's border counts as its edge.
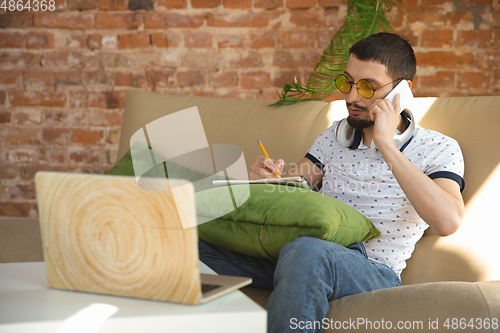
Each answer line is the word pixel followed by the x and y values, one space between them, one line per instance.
pixel 402 191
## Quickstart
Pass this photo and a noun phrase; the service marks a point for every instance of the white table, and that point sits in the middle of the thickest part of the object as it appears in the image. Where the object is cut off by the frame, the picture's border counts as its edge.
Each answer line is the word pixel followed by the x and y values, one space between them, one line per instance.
pixel 27 304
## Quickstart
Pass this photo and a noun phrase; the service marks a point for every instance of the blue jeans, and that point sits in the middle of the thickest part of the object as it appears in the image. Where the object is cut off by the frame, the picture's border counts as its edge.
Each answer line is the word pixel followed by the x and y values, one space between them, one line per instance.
pixel 309 273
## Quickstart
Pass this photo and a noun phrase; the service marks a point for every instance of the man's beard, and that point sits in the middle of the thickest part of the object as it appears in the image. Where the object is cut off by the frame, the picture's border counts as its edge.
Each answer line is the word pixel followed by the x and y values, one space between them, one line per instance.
pixel 357 122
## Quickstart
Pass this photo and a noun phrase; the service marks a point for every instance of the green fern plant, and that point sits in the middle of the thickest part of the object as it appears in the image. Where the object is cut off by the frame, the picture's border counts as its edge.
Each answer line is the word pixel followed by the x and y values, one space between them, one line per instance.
pixel 363 18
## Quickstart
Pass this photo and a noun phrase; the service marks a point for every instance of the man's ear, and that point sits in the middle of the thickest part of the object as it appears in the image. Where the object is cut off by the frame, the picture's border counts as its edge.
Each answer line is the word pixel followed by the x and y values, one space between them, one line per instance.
pixel 410 83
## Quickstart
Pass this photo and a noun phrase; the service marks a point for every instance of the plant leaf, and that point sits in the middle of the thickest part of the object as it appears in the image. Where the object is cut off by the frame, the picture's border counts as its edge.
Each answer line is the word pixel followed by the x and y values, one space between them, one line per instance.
pixel 363 18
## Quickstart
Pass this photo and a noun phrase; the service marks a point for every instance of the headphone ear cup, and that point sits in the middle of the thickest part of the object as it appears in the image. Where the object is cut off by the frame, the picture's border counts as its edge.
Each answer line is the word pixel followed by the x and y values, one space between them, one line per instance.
pixel 344 133
pixel 402 138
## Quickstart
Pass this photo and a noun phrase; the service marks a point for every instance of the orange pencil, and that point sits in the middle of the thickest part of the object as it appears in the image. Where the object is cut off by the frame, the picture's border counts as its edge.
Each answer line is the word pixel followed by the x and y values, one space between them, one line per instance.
pixel 266 155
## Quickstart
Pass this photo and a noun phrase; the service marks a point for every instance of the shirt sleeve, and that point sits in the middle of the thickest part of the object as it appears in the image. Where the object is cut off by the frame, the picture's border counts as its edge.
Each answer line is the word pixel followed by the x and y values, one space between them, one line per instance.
pixel 445 160
pixel 316 154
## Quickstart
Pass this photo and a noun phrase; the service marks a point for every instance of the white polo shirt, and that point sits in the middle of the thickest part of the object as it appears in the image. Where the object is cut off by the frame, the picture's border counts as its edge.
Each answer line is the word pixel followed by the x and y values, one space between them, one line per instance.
pixel 362 180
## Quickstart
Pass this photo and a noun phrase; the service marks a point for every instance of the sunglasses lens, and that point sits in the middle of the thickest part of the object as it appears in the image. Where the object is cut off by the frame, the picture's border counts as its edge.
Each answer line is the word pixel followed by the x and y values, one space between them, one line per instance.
pixel 365 89
pixel 343 84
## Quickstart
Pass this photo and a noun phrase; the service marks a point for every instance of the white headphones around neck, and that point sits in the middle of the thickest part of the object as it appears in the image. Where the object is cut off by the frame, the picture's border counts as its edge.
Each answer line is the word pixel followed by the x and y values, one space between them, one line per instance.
pixel 345 134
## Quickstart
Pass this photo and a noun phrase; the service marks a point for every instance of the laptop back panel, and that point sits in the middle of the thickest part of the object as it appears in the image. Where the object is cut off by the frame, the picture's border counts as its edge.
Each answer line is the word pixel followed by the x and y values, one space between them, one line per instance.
pixel 104 234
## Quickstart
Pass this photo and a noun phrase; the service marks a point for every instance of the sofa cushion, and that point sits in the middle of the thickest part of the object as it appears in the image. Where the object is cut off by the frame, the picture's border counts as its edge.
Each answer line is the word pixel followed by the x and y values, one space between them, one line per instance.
pixel 274 215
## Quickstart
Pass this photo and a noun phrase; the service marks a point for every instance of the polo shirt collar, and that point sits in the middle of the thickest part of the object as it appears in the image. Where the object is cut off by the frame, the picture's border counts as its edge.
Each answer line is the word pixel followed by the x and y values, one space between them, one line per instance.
pixel 358 134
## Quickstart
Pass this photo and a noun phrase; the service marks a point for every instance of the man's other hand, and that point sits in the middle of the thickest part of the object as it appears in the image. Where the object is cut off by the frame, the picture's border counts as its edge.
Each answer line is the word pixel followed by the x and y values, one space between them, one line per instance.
pixel 264 167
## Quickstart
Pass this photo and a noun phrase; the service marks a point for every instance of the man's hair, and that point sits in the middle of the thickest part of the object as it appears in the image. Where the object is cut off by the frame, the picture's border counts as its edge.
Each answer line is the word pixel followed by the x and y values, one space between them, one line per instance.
pixel 390 50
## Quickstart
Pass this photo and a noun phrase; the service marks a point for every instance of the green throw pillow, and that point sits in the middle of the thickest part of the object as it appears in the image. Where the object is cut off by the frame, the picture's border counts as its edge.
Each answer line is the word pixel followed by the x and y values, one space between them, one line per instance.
pixel 123 167
pixel 275 215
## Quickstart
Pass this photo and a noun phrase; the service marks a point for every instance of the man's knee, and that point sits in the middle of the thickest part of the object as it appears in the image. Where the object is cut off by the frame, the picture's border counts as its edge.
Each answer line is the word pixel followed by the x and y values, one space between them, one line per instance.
pixel 304 253
pixel 310 253
pixel 309 246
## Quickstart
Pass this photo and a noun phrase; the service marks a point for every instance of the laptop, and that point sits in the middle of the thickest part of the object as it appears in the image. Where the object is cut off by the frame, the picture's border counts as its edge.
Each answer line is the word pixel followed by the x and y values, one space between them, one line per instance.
pixel 104 234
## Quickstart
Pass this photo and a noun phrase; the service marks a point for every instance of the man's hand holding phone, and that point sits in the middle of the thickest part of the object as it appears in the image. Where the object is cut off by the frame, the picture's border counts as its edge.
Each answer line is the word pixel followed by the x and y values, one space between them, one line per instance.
pixel 385 113
pixel 386 118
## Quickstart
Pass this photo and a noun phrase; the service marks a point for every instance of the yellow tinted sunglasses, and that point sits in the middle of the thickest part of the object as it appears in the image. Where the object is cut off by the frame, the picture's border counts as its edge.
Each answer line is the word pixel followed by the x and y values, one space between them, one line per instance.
pixel 363 86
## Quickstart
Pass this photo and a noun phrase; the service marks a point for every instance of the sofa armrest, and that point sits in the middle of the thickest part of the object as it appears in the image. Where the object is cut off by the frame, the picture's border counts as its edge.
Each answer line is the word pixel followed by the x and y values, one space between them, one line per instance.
pixel 420 307
pixel 20 240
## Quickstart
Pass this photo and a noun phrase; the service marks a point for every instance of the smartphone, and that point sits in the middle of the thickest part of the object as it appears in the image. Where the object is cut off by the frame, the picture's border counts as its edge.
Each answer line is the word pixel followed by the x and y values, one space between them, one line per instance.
pixel 406 96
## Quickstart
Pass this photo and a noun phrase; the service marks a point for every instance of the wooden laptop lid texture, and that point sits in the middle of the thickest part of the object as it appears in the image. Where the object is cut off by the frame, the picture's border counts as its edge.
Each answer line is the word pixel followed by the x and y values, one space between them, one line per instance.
pixel 104 234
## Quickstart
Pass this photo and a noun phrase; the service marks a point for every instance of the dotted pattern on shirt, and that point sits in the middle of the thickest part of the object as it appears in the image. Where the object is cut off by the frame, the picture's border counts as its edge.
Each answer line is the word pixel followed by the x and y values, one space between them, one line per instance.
pixel 365 182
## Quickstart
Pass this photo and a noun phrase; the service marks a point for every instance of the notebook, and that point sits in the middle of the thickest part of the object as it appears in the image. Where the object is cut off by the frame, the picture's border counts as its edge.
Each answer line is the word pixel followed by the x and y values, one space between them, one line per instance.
pixel 103 234
pixel 297 181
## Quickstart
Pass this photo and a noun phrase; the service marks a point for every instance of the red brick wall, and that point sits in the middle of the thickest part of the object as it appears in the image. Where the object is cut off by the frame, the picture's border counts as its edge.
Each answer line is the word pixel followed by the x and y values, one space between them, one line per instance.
pixel 63 73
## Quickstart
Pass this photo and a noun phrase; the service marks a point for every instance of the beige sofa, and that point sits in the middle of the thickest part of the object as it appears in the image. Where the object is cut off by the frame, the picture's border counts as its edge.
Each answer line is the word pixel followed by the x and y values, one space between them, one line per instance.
pixel 451 283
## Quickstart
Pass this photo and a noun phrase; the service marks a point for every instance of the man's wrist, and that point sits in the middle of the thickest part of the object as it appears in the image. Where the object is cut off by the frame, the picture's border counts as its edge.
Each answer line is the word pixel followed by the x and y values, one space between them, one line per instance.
pixel 387 147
